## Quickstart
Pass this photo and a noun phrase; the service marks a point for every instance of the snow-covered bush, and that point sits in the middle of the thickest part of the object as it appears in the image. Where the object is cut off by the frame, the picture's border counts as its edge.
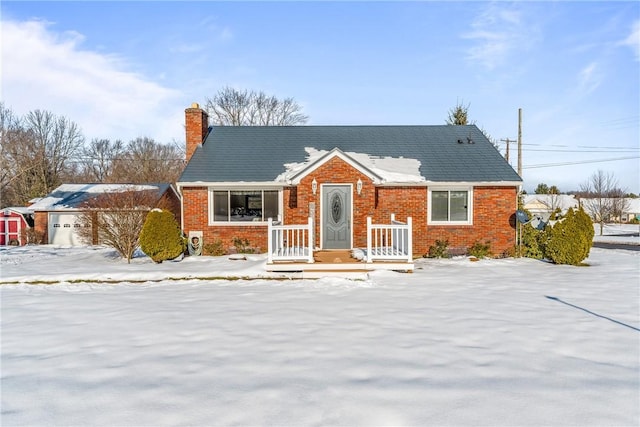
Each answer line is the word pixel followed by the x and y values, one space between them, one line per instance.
pixel 161 238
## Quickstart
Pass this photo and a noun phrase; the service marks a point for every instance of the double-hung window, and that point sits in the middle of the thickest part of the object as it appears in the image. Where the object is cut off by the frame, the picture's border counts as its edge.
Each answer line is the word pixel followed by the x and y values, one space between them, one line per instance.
pixel 450 206
pixel 243 205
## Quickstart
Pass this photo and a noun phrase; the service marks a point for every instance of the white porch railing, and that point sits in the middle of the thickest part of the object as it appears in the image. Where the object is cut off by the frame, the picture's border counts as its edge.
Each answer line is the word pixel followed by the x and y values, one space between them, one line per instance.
pixel 389 242
pixel 290 242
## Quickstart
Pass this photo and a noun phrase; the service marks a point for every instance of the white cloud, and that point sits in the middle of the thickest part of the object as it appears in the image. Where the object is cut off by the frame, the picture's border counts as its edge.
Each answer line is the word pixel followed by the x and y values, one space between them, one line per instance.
pixel 497 33
pixel 589 78
pixel 49 70
pixel 216 31
pixel 633 40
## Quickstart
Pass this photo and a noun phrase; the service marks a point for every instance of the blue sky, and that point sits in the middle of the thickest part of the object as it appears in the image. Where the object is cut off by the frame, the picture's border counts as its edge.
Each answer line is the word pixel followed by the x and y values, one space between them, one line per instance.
pixel 127 69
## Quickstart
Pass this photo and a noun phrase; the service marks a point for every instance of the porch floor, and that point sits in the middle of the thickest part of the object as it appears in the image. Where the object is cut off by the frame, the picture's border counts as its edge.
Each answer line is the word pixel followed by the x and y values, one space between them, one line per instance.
pixel 334 257
pixel 336 262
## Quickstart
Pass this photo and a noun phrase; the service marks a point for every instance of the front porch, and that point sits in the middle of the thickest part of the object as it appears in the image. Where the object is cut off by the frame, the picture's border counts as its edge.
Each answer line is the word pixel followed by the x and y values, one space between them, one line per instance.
pixel 291 249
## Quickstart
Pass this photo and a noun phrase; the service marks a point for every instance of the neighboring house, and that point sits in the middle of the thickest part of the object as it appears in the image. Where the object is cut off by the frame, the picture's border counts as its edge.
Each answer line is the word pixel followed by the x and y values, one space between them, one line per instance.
pixel 544 204
pixel 14 223
pixel 632 210
pixel 450 180
pixel 57 214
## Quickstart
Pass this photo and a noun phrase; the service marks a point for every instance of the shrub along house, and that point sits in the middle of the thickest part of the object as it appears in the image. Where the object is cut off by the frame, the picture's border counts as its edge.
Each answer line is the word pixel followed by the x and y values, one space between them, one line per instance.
pixel 338 187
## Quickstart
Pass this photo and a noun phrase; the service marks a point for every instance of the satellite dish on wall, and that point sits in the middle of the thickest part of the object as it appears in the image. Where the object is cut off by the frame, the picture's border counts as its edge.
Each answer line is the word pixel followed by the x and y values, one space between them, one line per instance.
pixel 522 216
pixel 536 222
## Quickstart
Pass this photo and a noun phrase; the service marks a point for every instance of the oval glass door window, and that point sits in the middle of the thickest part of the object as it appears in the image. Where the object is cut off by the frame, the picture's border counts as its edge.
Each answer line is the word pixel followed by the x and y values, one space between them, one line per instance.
pixel 336 208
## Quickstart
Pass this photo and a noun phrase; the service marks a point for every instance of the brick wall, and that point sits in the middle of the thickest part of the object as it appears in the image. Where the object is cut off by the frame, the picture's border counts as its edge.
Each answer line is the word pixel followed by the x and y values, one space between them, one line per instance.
pixel 41 225
pixel 195 203
pixel 171 202
pixel 196 128
pixel 493 208
pixel 493 220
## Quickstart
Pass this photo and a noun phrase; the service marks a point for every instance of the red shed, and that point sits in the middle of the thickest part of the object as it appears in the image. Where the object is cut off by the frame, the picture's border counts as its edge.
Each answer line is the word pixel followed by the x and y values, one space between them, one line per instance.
pixel 13 223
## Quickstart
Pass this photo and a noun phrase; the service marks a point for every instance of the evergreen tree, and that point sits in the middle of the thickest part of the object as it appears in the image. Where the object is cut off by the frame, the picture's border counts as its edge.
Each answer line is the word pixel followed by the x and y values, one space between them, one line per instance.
pixel 542 188
pixel 161 238
pixel 569 240
pixel 459 115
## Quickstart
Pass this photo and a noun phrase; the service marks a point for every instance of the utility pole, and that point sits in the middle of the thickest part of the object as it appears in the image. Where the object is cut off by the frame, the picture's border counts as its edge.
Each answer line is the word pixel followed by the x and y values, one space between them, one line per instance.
pixel 506 156
pixel 520 142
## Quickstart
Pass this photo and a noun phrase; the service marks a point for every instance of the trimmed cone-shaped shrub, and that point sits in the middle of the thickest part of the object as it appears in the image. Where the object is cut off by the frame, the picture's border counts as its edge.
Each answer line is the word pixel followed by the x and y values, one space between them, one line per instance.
pixel 161 238
pixel 569 241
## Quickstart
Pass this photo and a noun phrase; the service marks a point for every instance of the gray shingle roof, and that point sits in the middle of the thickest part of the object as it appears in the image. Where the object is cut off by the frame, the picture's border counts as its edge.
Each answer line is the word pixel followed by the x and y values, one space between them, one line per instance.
pixel 259 153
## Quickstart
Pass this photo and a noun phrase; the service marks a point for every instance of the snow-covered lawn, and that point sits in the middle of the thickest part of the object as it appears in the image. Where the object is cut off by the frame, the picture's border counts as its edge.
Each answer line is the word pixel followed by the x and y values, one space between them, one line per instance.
pixel 628 234
pixel 494 342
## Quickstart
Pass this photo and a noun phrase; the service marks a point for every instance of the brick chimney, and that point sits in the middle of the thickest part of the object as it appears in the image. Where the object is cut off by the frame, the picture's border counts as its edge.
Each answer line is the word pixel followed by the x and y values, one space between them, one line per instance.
pixel 197 127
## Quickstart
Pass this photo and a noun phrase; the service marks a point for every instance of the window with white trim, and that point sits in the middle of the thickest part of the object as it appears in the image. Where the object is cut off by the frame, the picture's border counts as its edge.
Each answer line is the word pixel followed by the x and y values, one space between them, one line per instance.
pixel 243 205
pixel 450 206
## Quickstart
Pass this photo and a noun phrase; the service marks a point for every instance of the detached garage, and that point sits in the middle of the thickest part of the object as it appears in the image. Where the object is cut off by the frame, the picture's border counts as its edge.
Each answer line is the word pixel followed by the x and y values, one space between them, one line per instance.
pixel 57 216
pixel 63 229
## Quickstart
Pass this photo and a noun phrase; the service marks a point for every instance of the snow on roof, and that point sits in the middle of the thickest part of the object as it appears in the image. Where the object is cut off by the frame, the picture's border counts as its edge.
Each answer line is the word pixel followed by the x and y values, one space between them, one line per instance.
pixel 550 201
pixel 20 210
pixel 633 205
pixel 70 196
pixel 388 169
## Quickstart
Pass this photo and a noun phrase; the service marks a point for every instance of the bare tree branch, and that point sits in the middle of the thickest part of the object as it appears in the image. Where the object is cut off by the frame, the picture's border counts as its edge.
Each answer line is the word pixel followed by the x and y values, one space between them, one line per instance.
pixel 115 219
pixel 602 198
pixel 232 107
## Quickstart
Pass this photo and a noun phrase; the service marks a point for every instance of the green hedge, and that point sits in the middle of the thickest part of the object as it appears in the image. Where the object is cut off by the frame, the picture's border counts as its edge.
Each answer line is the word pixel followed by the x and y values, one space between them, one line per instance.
pixel 565 241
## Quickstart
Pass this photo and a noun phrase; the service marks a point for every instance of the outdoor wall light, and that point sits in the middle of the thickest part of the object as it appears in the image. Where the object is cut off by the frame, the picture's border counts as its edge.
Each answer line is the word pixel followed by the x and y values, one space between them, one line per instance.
pixel 314 186
pixel 359 186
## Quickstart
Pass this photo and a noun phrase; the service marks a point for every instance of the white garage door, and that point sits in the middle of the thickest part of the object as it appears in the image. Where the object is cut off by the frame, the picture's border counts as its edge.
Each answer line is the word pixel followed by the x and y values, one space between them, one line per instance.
pixel 63 229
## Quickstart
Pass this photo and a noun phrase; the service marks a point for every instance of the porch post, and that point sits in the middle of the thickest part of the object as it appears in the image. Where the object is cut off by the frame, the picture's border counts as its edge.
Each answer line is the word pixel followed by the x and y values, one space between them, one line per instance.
pixel 311 239
pixel 410 240
pixel 269 241
pixel 369 239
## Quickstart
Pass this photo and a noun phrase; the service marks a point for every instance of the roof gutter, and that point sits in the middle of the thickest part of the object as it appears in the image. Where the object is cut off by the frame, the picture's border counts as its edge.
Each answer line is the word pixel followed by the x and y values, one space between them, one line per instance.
pixel 279 184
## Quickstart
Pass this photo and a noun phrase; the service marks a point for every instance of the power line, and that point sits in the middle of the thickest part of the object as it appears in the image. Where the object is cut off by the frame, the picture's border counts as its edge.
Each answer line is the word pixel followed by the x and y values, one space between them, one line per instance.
pixel 628 150
pixel 604 147
pixel 549 165
pixel 507 141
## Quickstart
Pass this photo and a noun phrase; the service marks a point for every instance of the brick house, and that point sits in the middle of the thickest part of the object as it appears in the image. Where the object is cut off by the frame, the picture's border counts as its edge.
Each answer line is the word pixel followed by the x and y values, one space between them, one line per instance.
pixel 450 180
